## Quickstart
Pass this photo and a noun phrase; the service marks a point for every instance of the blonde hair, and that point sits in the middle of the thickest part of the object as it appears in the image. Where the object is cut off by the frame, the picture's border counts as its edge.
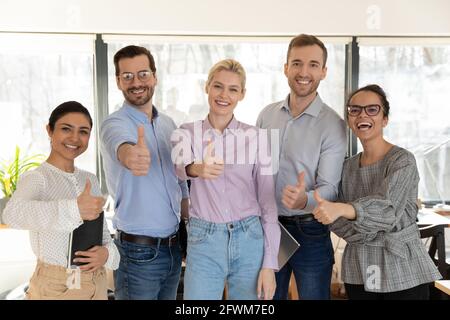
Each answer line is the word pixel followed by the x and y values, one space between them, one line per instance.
pixel 228 65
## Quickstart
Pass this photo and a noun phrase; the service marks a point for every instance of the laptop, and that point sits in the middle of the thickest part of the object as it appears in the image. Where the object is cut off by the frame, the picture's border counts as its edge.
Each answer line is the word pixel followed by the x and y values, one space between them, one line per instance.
pixel 288 246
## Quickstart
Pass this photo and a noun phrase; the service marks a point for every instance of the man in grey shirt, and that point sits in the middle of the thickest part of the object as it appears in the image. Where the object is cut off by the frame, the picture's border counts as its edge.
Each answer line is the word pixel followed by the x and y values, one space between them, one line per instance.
pixel 311 154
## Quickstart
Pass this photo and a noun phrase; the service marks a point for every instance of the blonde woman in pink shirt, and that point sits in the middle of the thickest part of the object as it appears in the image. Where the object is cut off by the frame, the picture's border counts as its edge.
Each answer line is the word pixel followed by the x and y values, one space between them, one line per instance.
pixel 233 231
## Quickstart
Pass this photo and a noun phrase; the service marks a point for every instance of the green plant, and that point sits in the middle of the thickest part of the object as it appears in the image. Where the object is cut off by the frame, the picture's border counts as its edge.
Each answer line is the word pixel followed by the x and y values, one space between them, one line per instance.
pixel 11 171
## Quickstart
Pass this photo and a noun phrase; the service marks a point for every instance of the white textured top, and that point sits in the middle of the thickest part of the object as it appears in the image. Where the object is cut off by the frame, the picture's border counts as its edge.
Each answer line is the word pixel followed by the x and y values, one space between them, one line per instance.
pixel 45 203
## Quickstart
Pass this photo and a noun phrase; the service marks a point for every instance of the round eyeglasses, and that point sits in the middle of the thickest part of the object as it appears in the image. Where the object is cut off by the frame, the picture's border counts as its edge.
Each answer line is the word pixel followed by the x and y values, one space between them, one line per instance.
pixel 354 110
pixel 143 75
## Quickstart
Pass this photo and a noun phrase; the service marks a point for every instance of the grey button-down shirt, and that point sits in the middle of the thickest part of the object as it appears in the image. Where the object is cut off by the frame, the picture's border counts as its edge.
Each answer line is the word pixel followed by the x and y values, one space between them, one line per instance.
pixel 313 142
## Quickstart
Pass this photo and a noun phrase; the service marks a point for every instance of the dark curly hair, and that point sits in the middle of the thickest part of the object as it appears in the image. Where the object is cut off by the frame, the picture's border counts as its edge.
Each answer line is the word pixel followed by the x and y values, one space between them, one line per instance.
pixel 378 91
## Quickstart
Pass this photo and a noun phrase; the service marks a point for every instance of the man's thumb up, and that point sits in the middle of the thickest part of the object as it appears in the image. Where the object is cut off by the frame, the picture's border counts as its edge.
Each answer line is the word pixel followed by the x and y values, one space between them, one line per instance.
pixel 141 137
pixel 318 198
pixel 301 179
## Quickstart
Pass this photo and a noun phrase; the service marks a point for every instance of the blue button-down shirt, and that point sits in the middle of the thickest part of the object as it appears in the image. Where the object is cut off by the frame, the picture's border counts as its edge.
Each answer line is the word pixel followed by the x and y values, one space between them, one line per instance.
pixel 145 205
pixel 313 142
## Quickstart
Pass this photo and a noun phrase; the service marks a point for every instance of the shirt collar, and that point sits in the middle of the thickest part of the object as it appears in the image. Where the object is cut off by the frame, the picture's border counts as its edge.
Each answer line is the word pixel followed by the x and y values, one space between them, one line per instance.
pixel 313 109
pixel 139 115
pixel 233 125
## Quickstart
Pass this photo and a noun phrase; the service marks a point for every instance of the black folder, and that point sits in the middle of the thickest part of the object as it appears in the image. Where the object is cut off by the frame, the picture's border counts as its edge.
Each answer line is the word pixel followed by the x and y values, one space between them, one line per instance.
pixel 86 236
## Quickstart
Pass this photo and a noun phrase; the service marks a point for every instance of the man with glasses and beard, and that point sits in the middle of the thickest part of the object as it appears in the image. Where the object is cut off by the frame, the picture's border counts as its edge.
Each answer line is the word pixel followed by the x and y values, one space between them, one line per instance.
pixel 140 175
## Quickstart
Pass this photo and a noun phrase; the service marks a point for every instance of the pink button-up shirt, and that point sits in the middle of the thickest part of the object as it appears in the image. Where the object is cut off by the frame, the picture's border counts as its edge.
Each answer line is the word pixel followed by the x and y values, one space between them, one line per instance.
pixel 246 186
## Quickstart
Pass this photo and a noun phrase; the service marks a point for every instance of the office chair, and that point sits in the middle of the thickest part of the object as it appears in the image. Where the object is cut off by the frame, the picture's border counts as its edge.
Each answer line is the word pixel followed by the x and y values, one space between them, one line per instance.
pixel 437 235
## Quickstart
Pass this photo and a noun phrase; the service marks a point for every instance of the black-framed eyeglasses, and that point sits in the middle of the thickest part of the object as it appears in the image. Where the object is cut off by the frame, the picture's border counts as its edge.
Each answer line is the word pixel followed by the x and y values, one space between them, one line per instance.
pixel 143 75
pixel 355 110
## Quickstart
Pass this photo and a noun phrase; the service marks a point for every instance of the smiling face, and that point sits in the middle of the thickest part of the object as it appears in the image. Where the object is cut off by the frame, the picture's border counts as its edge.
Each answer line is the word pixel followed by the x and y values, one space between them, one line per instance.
pixel 69 138
pixel 224 92
pixel 137 90
pixel 304 70
pixel 367 127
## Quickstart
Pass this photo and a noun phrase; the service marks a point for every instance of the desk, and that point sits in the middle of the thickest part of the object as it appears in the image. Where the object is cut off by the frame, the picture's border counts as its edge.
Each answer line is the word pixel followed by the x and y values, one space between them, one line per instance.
pixel 427 216
pixel 443 285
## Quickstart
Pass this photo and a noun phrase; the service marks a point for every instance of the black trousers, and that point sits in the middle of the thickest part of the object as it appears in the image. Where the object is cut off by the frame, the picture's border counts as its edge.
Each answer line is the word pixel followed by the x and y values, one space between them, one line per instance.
pixel 357 292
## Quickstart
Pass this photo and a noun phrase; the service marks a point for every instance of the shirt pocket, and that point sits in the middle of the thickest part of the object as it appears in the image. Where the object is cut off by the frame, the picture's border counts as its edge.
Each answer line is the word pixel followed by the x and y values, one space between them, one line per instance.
pixel 141 254
pixel 53 289
pixel 255 230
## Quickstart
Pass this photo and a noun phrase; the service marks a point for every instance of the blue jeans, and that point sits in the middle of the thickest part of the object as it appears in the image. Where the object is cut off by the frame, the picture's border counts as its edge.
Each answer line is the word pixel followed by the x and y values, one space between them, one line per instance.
pixel 223 252
pixel 312 263
pixel 147 272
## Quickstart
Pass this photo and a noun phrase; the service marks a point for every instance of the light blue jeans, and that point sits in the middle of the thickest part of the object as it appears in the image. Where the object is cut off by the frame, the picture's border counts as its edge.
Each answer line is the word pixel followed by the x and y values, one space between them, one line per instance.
pixel 223 252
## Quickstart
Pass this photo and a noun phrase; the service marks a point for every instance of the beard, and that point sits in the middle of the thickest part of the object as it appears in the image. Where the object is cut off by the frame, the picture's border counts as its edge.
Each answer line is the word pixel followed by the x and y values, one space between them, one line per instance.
pixel 304 91
pixel 141 100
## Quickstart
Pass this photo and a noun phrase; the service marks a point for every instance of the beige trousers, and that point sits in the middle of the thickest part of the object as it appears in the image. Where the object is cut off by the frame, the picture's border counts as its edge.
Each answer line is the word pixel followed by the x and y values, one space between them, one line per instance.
pixel 49 282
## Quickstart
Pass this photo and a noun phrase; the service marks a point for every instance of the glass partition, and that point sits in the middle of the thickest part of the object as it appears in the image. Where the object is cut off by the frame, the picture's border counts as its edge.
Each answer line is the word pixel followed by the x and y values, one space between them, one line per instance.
pixel 37 73
pixel 416 78
pixel 183 63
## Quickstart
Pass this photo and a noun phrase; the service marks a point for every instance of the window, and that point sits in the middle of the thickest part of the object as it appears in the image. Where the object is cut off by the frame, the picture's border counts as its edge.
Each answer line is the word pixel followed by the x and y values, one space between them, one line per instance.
pixel 37 73
pixel 417 81
pixel 183 63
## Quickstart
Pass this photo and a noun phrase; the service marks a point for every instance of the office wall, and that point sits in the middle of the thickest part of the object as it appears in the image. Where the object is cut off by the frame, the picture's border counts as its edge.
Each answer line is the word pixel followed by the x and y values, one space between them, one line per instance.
pixel 249 17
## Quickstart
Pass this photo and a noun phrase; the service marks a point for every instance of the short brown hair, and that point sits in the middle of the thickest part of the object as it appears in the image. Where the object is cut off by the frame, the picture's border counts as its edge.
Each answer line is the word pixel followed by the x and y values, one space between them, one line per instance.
pixel 303 40
pixel 131 52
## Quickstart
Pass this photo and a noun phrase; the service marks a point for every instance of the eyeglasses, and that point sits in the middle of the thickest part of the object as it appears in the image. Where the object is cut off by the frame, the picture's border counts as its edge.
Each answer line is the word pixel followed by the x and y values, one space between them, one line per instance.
pixel 354 110
pixel 143 75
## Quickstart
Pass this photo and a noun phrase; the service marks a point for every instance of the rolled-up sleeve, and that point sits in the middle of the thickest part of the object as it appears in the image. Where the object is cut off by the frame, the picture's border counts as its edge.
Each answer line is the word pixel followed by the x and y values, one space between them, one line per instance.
pixel 113 133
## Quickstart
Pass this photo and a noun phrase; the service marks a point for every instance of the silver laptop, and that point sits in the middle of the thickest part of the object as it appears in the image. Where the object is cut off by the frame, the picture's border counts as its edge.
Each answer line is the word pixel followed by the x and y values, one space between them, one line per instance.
pixel 288 246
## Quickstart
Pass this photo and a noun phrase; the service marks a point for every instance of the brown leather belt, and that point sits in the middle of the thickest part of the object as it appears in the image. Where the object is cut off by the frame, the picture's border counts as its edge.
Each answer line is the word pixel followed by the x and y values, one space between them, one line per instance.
pixel 146 240
pixel 296 219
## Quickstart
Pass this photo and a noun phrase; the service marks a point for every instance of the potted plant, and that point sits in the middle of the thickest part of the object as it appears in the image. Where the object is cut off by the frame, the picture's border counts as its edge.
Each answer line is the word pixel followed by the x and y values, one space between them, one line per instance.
pixel 11 171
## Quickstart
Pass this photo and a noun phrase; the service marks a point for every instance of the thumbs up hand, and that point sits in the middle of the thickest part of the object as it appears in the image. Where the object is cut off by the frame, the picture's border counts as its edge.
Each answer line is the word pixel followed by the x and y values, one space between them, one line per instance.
pixel 327 212
pixel 210 168
pixel 137 157
pixel 89 206
pixel 294 197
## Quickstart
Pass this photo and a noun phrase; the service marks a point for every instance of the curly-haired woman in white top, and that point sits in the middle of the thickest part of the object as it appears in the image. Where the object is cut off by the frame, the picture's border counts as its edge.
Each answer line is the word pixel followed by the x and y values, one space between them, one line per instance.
pixel 54 200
